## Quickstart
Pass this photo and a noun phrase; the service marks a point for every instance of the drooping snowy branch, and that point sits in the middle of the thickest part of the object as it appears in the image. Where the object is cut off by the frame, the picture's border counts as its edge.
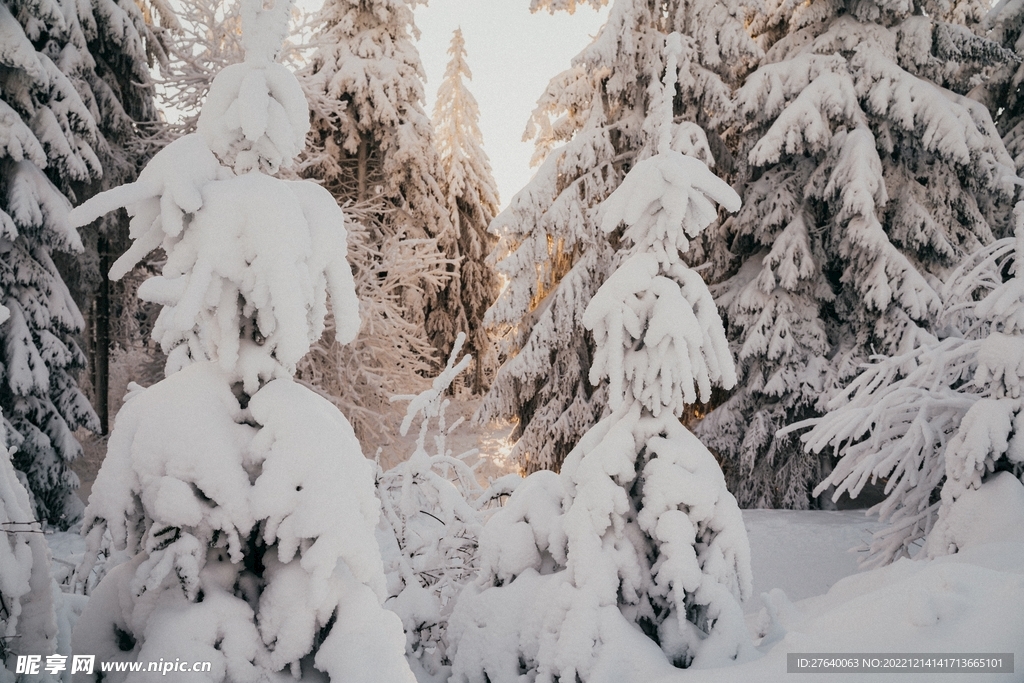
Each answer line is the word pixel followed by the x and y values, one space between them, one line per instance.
pixel 868 175
pixel 937 419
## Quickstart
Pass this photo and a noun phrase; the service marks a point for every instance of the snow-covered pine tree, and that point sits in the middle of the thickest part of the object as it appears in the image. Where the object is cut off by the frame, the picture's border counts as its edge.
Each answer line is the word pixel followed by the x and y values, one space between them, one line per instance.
pixel 114 82
pixel 866 179
pixel 472 200
pixel 379 144
pixel 936 420
pixel 240 497
pixel 50 149
pixel 28 623
pixel 371 147
pixel 1001 89
pixel 550 248
pixel 638 524
pixel 391 351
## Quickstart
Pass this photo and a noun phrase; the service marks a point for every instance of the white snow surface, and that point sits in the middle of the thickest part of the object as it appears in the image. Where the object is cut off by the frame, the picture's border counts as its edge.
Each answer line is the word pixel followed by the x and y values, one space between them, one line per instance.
pixel 820 601
pixel 971 601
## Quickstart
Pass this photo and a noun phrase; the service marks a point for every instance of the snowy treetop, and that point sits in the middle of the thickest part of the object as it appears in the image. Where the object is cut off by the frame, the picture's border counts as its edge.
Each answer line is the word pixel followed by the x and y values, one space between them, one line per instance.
pixel 249 253
pixel 655 324
pixel 663 201
pixel 256 115
pixel 264 28
pixel 250 258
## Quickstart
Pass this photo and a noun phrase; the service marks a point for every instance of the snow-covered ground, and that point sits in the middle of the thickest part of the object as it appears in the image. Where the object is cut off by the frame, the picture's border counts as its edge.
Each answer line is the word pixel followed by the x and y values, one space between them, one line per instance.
pixel 803 552
pixel 972 601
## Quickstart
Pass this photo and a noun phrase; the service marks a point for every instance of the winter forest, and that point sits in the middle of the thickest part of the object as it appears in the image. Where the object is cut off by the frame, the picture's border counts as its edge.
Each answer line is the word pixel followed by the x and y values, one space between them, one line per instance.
pixel 290 392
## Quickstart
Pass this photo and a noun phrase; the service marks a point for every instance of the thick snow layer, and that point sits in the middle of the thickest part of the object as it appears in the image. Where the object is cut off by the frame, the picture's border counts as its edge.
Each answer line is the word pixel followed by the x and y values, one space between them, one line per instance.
pixel 803 552
pixel 256 253
pixel 970 601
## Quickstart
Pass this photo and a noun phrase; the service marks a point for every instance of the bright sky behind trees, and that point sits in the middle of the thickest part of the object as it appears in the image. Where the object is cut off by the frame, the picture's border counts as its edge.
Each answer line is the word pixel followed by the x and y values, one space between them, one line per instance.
pixel 513 54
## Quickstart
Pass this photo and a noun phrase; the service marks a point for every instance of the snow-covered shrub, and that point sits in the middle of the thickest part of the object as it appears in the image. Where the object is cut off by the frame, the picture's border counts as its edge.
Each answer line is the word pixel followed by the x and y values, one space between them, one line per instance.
pixel 936 420
pixel 430 527
pixel 241 497
pixel 638 524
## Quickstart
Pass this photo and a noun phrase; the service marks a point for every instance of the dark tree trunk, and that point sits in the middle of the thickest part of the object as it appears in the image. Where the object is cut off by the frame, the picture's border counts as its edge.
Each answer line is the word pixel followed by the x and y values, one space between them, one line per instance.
pixel 101 325
pixel 362 160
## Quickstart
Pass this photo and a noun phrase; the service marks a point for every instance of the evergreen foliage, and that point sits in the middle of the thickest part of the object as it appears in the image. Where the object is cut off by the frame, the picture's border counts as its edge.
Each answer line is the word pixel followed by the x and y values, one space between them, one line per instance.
pixel 935 420
pixel 866 178
pixel 593 123
pixel 28 622
pixel 374 143
pixel 74 83
pixel 472 200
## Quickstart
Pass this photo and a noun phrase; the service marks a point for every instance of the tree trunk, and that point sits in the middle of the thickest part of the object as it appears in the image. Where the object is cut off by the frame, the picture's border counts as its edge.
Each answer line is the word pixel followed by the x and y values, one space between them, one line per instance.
pixel 362 161
pixel 101 357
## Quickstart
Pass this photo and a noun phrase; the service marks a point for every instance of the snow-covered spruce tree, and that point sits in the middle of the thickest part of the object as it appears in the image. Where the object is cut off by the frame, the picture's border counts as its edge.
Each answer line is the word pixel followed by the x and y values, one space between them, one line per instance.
pixel 1001 89
pixel 49 145
pixel 551 249
pixel 866 179
pixel 379 145
pixel 391 351
pixel 429 528
pixel 241 497
pixel 119 46
pixel 935 420
pixel 371 147
pixel 28 623
pixel 638 524
pixel 472 200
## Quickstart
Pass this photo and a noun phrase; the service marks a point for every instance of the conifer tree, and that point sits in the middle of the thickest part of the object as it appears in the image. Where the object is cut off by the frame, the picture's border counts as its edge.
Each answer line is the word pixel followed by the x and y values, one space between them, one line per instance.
pixel 638 525
pixel 241 498
pixel 591 125
pixel 371 146
pixel 472 199
pixel 73 84
pixel 392 270
pixel 123 46
pixel 934 421
pixel 1001 89
pixel 866 178
pixel 379 145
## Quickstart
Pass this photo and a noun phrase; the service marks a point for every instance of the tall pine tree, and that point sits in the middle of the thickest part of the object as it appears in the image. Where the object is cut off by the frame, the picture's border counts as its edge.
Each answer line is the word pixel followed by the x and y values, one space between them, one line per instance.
pixel 371 145
pixel 472 199
pixel 867 176
pixel 1001 90
pixel 593 123
pixel 380 144
pixel 72 83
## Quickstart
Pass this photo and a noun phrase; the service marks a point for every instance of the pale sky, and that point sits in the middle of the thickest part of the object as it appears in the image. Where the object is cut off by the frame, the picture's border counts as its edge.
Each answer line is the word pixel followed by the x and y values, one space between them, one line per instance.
pixel 512 54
